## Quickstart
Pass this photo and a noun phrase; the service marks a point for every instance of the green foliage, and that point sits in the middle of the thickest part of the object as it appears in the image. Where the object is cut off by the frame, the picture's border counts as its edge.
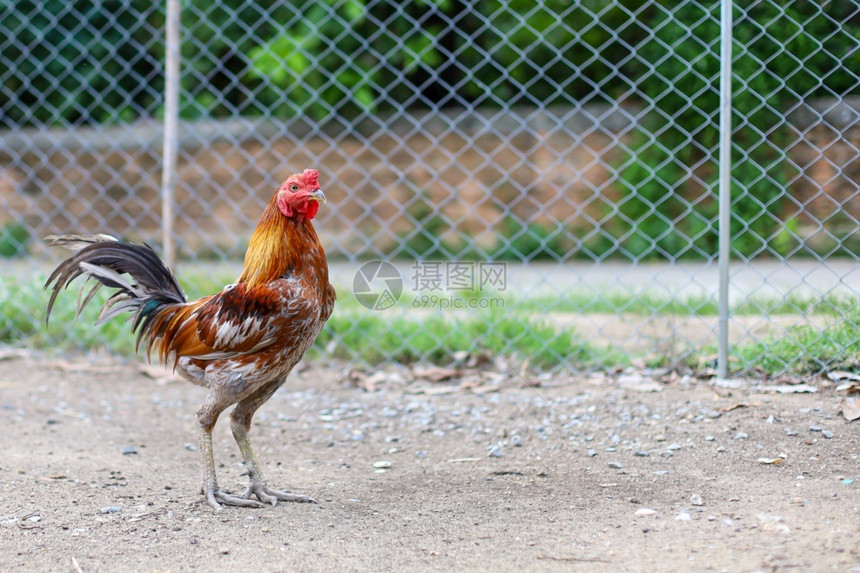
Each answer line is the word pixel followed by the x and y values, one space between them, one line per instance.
pixel 305 71
pixel 100 60
pixel 552 52
pixel 531 242
pixel 778 61
pixel 430 237
pixel 14 238
pixel 76 62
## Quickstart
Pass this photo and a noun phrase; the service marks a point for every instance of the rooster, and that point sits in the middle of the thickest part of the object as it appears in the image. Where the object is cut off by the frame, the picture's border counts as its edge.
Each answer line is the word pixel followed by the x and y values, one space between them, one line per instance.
pixel 240 343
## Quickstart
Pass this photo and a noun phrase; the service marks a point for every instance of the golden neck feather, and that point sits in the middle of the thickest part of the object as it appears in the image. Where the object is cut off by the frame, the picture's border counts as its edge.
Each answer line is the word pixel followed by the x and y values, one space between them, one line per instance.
pixel 280 245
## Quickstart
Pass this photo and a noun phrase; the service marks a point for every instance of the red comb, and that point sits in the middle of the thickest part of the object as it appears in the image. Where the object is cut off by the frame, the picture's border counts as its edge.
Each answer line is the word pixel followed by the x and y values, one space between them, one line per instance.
pixel 311 177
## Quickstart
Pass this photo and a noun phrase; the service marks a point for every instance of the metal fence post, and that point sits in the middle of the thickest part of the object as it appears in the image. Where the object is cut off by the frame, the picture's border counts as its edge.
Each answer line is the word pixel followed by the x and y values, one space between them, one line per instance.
pixel 725 183
pixel 171 128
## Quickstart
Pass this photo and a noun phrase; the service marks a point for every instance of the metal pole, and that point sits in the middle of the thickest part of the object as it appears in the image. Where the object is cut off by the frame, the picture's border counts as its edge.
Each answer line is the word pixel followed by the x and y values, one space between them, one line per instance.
pixel 171 130
pixel 725 185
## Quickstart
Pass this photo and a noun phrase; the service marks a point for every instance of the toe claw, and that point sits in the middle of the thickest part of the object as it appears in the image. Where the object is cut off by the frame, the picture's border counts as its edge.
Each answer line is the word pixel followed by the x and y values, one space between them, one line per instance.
pixel 218 498
pixel 273 496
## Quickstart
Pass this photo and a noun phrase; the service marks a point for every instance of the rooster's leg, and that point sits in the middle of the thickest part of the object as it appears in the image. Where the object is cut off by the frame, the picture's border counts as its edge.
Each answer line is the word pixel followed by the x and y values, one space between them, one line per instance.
pixel 240 423
pixel 207 415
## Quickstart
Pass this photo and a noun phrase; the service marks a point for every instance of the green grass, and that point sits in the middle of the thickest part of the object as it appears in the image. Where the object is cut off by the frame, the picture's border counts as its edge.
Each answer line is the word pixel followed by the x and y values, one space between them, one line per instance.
pixel 614 301
pixel 805 349
pixel 520 331
pixel 22 316
pixel 375 337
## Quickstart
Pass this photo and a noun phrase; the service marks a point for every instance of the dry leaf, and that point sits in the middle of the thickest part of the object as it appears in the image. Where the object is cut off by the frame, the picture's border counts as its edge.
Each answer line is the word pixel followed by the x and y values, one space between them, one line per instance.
pixel 372 382
pixel 435 373
pixel 850 408
pixel 433 390
pixel 639 383
pixel 485 389
pixel 842 375
pixel 792 389
pixel 470 382
pixel 734 407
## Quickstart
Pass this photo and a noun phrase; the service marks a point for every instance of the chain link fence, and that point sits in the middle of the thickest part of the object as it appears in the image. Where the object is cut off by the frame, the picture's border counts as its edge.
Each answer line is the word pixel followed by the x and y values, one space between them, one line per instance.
pixel 561 155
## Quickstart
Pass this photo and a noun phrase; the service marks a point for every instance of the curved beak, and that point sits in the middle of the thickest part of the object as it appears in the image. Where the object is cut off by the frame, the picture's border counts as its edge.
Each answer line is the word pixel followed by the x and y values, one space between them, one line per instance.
pixel 317 196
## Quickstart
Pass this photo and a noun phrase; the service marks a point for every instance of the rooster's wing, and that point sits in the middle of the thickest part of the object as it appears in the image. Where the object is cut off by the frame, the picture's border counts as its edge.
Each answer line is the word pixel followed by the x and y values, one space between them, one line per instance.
pixel 239 320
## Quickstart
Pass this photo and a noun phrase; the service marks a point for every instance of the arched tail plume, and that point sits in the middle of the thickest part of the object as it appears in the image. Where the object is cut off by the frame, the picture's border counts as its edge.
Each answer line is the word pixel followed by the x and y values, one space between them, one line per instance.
pixel 144 285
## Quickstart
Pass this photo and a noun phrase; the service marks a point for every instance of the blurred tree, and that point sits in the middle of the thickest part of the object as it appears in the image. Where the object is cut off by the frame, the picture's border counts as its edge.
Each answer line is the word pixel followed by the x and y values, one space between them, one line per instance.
pixel 78 62
pixel 785 51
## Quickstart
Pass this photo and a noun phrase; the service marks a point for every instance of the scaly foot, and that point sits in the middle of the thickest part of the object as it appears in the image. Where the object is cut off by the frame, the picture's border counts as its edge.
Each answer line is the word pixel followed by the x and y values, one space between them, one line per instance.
pixel 272 496
pixel 218 498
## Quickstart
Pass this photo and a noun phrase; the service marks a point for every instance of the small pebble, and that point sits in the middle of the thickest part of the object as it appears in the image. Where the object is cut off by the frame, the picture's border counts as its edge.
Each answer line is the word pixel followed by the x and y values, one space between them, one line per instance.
pixel 828 434
pixel 190 447
pixel 683 516
pixel 697 500
pixel 495 451
pixel 34 518
pixel 814 428
pixel 847 481
pixel 517 441
pixel 741 436
pixel 591 453
pixel 709 438
pixel 790 432
pixel 644 512
pixel 673 447
pixel 421 454
pixel 615 465
pixel 129 451
pixel 111 509
pixel 382 464
pixel 666 454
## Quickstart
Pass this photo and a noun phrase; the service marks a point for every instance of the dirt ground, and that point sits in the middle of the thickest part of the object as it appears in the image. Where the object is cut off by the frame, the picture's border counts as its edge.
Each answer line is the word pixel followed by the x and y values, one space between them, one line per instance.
pixel 99 473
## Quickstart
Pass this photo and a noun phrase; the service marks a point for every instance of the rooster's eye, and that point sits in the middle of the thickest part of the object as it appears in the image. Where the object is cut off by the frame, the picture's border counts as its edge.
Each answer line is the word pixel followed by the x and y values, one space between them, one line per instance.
pixel 294 187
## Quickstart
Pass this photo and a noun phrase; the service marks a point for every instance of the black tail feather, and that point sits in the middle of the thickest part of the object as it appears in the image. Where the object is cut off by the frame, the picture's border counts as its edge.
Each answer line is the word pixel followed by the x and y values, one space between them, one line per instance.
pixel 106 260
